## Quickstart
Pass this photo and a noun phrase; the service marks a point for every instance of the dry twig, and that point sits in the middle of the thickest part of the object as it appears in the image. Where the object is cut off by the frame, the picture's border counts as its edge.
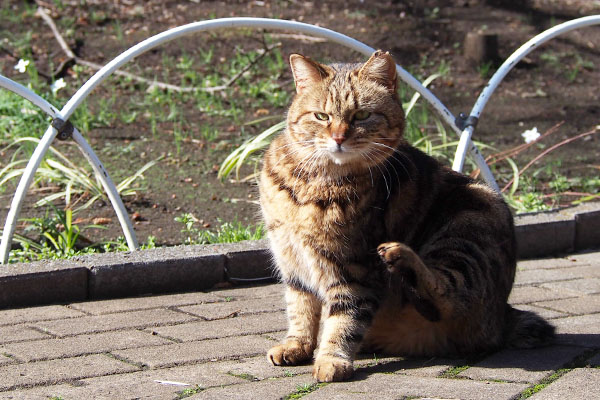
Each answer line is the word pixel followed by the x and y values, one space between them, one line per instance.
pixel 548 150
pixel 152 83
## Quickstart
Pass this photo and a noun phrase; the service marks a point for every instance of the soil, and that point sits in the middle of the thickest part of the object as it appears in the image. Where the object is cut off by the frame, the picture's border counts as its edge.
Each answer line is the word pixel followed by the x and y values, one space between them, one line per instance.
pixel 559 82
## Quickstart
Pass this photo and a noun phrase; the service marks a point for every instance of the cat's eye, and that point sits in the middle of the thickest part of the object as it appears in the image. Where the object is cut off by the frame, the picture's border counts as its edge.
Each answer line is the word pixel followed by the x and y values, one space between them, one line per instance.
pixel 361 115
pixel 321 116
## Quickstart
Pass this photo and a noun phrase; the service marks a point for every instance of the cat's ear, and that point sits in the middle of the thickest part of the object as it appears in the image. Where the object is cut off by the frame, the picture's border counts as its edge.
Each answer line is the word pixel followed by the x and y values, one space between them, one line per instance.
pixel 306 71
pixel 381 68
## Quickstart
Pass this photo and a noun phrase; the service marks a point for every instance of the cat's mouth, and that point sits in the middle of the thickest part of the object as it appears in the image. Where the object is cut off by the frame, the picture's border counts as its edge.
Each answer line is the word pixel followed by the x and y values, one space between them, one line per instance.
pixel 339 153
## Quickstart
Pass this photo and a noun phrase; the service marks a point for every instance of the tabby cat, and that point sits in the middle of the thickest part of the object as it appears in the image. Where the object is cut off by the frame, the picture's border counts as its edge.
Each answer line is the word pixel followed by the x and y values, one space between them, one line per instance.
pixel 400 254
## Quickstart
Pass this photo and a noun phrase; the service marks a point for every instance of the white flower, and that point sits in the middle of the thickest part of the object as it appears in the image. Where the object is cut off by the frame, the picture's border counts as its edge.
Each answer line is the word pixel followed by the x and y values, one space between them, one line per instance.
pixel 530 135
pixel 57 85
pixel 22 65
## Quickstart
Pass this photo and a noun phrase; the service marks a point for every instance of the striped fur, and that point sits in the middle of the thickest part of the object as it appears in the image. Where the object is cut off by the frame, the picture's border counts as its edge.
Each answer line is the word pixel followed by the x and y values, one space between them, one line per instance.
pixel 375 240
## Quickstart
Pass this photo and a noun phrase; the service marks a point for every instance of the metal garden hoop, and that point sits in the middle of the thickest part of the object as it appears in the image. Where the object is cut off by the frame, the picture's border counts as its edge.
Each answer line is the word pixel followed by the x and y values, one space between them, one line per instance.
pixel 532 44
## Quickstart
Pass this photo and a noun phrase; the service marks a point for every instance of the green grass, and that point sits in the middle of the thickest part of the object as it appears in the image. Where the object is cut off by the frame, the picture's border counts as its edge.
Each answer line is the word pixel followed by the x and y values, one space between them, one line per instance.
pixel 227 232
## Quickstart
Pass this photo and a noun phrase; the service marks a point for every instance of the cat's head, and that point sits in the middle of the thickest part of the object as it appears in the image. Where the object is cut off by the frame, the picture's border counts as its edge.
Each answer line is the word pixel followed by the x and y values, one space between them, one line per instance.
pixel 346 115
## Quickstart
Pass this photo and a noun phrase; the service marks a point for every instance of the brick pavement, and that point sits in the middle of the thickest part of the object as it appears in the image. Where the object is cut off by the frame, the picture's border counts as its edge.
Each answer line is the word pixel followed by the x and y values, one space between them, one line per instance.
pixel 212 345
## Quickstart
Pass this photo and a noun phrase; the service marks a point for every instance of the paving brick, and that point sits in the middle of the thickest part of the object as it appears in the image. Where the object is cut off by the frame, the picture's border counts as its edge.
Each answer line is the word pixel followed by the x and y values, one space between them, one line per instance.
pixel 80 345
pixel 268 389
pixel 243 325
pixel 110 322
pixel 431 367
pixel 581 330
pixel 19 333
pixel 576 305
pixel 259 368
pixel 38 393
pixel 592 258
pixel 277 336
pixel 205 350
pixel 224 309
pixel 6 360
pixel 32 314
pixel 576 287
pixel 145 303
pixel 521 365
pixel 581 383
pixel 56 371
pixel 386 386
pixel 251 292
pixel 530 294
pixel 542 312
pixel 537 276
pixel 551 263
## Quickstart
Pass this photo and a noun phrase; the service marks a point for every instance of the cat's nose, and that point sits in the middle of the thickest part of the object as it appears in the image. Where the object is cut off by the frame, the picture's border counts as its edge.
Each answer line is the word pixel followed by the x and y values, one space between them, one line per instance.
pixel 338 139
pixel 339 132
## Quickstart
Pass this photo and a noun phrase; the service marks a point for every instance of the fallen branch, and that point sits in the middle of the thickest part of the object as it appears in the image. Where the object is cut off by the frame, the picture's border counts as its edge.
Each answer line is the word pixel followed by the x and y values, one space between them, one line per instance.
pixel 152 83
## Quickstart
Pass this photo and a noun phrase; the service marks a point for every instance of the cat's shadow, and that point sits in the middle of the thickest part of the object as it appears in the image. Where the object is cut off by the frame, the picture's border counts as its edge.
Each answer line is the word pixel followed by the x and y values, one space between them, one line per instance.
pixel 567 349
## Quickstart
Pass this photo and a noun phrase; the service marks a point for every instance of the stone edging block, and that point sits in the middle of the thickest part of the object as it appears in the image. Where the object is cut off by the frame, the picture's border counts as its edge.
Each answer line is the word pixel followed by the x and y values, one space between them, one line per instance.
pixel 558 231
pixel 201 267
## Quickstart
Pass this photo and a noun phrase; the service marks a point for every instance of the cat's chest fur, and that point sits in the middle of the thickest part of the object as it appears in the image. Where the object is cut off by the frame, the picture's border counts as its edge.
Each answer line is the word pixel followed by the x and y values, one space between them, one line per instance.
pixel 321 225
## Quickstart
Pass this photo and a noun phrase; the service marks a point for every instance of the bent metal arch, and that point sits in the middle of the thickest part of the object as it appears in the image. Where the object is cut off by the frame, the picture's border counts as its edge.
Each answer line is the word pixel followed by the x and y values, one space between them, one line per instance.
pixel 462 126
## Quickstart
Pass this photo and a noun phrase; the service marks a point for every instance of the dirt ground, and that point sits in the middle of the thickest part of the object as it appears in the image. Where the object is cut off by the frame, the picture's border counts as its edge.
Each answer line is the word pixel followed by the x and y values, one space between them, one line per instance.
pixel 559 82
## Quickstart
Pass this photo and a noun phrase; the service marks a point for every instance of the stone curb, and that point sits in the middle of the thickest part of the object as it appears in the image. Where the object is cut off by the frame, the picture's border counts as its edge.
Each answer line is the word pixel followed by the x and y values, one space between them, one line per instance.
pixel 559 231
pixel 201 267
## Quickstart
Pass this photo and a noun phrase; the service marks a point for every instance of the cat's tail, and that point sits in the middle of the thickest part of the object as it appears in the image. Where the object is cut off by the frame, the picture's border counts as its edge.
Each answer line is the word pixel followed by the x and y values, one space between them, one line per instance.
pixel 525 329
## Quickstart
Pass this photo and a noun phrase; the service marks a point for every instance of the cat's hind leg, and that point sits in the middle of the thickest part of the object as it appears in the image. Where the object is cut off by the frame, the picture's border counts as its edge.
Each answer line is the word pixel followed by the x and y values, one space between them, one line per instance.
pixel 304 314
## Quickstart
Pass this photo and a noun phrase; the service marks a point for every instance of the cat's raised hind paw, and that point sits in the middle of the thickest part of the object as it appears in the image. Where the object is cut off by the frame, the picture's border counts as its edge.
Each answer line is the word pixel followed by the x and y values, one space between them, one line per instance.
pixel 395 254
pixel 332 369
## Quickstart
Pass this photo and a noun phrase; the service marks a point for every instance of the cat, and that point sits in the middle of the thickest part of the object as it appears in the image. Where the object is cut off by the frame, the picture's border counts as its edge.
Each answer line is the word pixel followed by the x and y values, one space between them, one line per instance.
pixel 401 254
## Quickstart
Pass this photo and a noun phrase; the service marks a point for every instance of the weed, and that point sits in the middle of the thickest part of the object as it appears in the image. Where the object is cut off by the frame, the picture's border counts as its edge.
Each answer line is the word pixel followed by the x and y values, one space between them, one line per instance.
pixel 453 372
pixel 485 69
pixel 73 180
pixel 303 390
pixel 189 392
pixel 573 70
pixel 244 375
pixel 544 382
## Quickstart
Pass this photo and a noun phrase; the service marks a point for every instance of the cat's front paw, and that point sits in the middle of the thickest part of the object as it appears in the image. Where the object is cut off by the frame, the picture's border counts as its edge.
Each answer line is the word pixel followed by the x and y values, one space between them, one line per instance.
pixel 332 369
pixel 292 352
pixel 395 255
